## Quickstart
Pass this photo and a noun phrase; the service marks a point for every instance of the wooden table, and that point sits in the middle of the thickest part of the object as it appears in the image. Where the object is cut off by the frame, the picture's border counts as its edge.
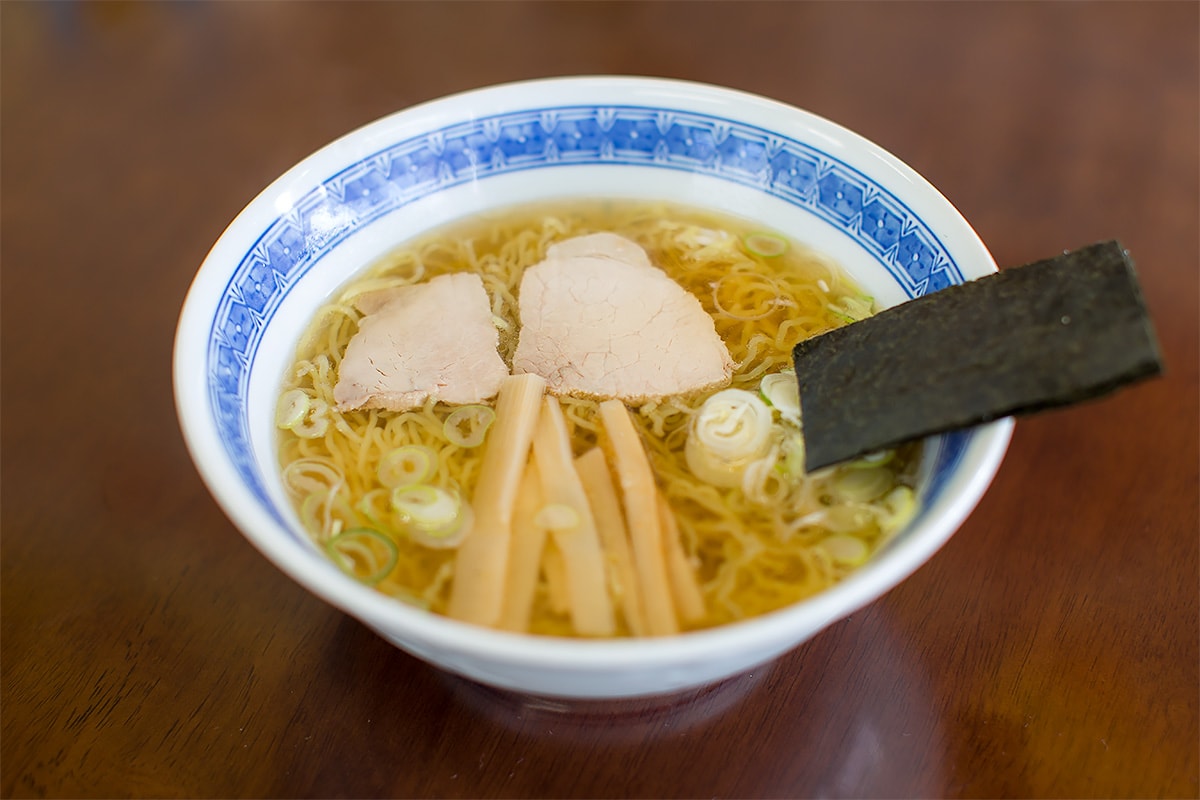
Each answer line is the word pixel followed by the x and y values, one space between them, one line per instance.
pixel 1049 650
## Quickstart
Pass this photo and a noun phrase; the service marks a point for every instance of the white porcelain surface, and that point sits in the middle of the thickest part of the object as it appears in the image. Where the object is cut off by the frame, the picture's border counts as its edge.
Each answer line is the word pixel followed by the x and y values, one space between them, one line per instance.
pixel 698 145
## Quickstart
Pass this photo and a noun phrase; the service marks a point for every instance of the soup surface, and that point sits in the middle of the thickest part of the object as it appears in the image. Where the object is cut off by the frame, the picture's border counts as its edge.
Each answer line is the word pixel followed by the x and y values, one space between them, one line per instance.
pixel 390 495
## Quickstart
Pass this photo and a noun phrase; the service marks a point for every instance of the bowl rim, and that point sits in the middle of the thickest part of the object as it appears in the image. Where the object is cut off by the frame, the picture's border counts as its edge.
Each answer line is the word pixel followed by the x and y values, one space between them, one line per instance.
pixel 981 461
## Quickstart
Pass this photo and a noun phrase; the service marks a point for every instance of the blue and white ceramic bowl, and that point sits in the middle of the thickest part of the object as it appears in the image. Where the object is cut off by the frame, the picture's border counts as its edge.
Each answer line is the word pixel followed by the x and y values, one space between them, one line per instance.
pixel 350 202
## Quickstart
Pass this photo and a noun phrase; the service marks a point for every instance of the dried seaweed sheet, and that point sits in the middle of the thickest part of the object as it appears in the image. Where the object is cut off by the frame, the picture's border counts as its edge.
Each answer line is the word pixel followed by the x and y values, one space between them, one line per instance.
pixel 1052 333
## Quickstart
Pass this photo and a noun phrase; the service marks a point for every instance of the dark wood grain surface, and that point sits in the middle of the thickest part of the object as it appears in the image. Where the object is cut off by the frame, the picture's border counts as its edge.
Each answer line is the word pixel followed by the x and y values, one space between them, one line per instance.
pixel 1049 650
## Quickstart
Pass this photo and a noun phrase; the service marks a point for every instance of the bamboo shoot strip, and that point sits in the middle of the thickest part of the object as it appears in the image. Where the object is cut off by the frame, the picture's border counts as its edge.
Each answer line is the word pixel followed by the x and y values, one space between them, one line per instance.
pixel 641 515
pixel 592 467
pixel 556 578
pixel 684 586
pixel 482 565
pixel 525 558
pixel 577 539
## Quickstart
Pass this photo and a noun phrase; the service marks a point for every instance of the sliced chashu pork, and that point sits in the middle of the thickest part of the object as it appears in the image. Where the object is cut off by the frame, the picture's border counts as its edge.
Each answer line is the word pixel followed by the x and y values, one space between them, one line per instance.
pixel 599 320
pixel 433 339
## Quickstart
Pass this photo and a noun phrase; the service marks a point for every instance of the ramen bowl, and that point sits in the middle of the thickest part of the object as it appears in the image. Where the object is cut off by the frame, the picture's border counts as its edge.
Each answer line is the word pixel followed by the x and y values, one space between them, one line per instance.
pixel 343 207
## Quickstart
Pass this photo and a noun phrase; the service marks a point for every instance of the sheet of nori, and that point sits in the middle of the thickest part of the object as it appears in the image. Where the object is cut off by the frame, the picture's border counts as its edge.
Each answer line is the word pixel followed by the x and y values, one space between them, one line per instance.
pixel 1048 334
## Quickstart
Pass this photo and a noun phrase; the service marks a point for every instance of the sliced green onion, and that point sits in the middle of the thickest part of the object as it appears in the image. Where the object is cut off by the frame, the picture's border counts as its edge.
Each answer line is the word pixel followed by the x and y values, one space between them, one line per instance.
pixel 370 506
pixel 305 475
pixel 556 517
pixel 852 309
pixel 848 551
pixel 365 554
pixel 781 391
pixel 407 465
pixel 847 517
pixel 877 459
pixel 428 507
pixel 760 483
pixel 863 304
pixel 316 423
pixel 317 512
pixel 791 459
pixel 862 485
pixel 767 245
pixel 435 517
pixel 466 426
pixel 292 407
pixel 310 513
pixel 843 316
pixel 900 506
pixel 732 429
pixel 449 535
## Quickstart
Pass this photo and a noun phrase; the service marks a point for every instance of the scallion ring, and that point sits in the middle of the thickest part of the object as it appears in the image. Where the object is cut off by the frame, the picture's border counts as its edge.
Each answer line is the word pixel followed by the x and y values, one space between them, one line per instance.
pixel 900 506
pixel 852 309
pixel 792 456
pixel 407 465
pixel 315 422
pixel 373 506
pixel 312 474
pixel 767 245
pixel 434 516
pixel 871 460
pixel 732 429
pixel 292 408
pixel 364 554
pixel 427 507
pixel 862 485
pixel 845 550
pixel 466 426
pixel 780 390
